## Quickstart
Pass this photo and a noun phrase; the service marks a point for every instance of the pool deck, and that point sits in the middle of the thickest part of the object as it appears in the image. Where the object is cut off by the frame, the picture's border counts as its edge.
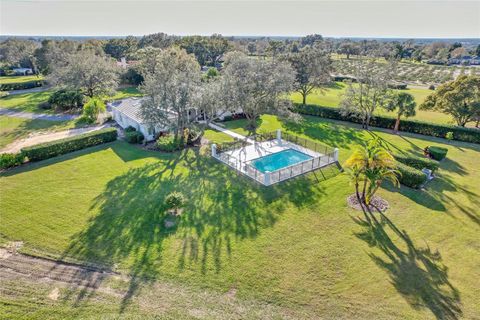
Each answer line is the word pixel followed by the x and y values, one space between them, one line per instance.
pixel 261 149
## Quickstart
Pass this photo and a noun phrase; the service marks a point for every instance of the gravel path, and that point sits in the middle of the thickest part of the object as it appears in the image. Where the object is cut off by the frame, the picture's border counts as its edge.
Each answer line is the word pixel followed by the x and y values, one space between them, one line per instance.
pixel 34 139
pixel 41 116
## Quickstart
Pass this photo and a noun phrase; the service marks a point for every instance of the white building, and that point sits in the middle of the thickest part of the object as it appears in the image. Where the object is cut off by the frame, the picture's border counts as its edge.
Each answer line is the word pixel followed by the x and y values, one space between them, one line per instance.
pixel 22 71
pixel 126 113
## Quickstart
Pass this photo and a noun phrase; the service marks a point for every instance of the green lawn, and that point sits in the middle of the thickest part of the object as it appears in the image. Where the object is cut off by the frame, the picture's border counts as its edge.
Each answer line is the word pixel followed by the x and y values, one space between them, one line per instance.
pixel 296 245
pixel 19 79
pixel 12 128
pixel 331 97
pixel 29 102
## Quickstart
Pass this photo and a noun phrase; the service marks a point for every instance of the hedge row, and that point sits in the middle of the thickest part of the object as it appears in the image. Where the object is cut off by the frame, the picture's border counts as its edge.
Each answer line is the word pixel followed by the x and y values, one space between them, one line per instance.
pixel 9 160
pixel 413 126
pixel 21 85
pixel 410 177
pixel 58 147
pixel 437 153
pixel 416 162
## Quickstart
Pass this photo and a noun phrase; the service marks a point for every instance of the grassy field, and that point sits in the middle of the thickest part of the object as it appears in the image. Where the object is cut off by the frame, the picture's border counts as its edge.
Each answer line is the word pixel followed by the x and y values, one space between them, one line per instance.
pixel 29 102
pixel 19 79
pixel 12 128
pixel 296 245
pixel 331 97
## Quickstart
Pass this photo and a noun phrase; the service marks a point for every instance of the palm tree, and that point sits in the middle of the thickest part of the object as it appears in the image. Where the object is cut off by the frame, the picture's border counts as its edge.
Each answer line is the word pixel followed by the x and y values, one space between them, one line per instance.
pixel 369 166
pixel 405 105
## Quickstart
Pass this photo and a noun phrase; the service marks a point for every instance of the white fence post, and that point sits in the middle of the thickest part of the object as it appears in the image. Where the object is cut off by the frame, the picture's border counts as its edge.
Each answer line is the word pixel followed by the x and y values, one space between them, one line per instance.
pixel 267 178
pixel 279 136
pixel 335 154
pixel 214 150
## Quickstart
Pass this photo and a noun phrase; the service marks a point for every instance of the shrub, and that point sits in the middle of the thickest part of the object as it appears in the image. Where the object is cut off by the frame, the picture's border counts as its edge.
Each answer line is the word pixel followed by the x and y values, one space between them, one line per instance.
pixel 416 162
pixel 130 129
pixel 66 99
pixel 169 143
pixel 45 106
pixel 413 126
pixel 410 177
pixel 437 153
pixel 175 200
pixel 92 109
pixel 134 137
pixel 431 87
pixel 21 85
pixel 8 160
pixel 58 147
pixel 449 135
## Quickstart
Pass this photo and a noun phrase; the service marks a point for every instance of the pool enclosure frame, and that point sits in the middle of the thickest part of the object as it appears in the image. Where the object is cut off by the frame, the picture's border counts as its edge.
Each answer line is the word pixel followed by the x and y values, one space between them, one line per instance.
pixel 322 156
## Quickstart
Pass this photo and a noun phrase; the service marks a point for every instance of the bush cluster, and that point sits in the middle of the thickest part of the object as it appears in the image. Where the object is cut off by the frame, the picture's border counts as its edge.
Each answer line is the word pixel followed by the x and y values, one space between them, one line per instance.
pixel 21 85
pixel 134 137
pixel 58 147
pixel 416 162
pixel 66 99
pixel 410 177
pixel 8 160
pixel 437 153
pixel 169 143
pixel 413 126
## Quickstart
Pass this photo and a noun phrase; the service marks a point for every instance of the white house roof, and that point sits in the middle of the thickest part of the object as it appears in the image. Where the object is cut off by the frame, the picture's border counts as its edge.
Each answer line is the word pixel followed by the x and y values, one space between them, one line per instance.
pixel 129 107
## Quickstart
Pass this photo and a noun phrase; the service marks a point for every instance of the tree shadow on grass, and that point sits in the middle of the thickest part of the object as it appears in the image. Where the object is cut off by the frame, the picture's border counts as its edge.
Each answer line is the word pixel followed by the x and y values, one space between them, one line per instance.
pixel 222 207
pixel 417 273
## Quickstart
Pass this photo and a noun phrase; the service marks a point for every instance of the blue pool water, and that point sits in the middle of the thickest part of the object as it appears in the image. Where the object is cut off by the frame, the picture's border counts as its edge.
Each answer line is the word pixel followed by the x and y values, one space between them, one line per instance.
pixel 279 160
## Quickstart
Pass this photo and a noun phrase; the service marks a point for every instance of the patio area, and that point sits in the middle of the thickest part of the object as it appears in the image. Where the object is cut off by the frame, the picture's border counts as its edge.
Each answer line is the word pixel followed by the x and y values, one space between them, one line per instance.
pixel 243 155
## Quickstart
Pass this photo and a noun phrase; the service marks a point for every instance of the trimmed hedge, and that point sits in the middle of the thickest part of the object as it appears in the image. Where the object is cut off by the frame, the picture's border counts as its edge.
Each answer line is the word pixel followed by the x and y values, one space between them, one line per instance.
pixel 437 153
pixel 21 85
pixel 410 177
pixel 8 160
pixel 413 126
pixel 134 136
pixel 416 162
pixel 58 147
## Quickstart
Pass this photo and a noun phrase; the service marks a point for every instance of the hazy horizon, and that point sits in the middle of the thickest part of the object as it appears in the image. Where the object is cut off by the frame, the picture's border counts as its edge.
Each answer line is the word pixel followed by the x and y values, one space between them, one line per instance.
pixel 439 19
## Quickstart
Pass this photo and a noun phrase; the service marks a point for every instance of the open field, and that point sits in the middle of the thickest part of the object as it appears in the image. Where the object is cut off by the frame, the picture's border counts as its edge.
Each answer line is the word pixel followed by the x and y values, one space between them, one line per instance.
pixel 295 245
pixel 19 79
pixel 331 97
pixel 12 129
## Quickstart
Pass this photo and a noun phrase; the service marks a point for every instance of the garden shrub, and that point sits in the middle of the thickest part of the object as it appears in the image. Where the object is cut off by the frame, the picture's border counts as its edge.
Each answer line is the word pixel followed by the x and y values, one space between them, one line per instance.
pixel 413 126
pixel 175 200
pixel 416 162
pixel 8 160
pixel 58 147
pixel 130 129
pixel 134 137
pixel 410 177
pixel 437 153
pixel 169 143
pixel 66 99
pixel 92 109
pixel 21 85
pixel 449 135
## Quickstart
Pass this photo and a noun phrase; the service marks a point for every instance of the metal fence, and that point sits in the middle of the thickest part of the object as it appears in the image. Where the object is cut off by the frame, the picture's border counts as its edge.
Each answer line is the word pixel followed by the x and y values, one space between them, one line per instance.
pixel 328 156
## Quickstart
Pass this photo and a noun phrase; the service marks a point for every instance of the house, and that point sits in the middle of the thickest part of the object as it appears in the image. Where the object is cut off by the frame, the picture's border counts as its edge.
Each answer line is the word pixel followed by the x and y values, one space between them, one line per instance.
pixel 126 113
pixel 22 71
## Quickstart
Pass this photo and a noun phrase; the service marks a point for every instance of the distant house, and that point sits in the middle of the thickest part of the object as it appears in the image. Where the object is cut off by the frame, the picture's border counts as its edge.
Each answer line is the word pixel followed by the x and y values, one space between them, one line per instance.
pixel 465 60
pixel 22 71
pixel 124 64
pixel 126 113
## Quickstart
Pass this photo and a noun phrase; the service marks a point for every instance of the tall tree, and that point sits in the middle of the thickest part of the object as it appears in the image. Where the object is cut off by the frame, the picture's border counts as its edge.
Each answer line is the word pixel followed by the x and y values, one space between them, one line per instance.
pixel 275 47
pixel 123 47
pixel 312 70
pixel 348 48
pixel 170 90
pixel 258 86
pixel 370 92
pixel 19 53
pixel 93 75
pixel 311 40
pixel 404 104
pixel 157 40
pixel 459 98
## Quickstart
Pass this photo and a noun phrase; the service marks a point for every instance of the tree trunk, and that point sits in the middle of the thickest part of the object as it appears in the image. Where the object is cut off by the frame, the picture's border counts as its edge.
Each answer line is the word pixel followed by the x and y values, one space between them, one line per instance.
pixel 397 124
pixel 304 95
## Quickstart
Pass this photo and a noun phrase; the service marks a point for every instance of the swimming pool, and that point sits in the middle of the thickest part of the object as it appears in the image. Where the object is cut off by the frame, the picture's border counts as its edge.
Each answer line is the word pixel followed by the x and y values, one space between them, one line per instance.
pixel 279 160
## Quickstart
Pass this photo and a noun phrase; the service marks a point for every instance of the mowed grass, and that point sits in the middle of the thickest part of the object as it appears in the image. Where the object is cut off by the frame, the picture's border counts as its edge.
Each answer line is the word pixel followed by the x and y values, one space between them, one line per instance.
pixel 12 128
pixel 332 96
pixel 19 79
pixel 296 244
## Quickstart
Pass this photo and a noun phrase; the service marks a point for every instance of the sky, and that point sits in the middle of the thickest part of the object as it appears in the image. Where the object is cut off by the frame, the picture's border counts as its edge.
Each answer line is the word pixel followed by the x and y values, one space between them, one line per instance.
pixel 387 18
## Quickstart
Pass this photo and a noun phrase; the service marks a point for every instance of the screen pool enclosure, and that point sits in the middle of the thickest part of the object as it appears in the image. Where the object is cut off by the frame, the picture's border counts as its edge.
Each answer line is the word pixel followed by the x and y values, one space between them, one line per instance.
pixel 274 157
